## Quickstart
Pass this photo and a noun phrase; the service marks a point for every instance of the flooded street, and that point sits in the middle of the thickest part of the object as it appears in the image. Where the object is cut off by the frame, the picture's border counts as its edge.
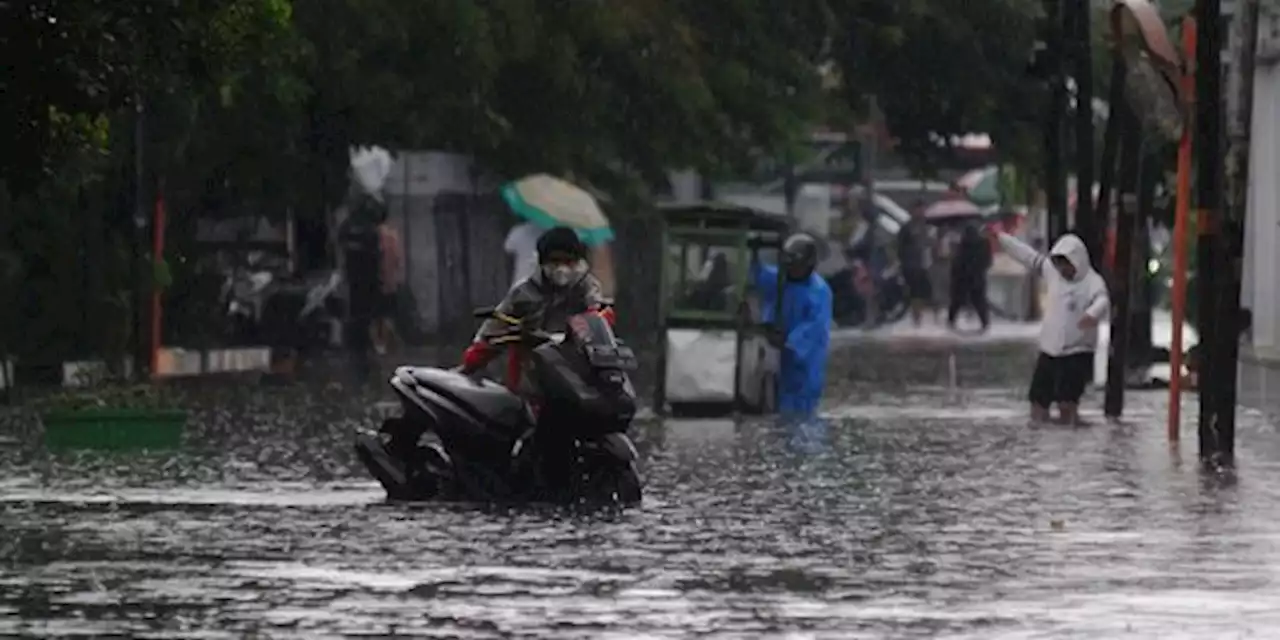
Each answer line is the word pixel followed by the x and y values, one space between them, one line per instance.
pixel 916 509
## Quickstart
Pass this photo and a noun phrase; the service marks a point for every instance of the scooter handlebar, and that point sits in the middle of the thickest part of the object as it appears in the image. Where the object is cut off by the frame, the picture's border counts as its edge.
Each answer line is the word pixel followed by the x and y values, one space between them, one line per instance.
pixel 518 332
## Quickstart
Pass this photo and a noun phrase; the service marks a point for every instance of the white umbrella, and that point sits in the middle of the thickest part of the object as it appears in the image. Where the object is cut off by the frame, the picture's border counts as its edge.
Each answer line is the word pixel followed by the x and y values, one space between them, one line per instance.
pixel 370 167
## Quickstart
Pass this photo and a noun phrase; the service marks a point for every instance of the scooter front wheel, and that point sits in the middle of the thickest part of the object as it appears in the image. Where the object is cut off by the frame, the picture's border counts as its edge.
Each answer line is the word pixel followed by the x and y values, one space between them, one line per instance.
pixel 614 484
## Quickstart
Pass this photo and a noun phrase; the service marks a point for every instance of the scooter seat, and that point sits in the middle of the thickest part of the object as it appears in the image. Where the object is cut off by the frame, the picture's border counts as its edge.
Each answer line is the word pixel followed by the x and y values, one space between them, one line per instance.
pixel 487 398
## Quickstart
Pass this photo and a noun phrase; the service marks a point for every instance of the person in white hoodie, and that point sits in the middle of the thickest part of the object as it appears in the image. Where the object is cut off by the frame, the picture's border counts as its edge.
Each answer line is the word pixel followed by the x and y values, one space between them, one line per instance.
pixel 1077 302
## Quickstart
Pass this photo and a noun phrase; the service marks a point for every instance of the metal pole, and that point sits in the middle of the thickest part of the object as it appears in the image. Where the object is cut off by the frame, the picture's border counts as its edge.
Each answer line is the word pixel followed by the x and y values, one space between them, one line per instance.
pixel 138 350
pixel 1226 344
pixel 1055 173
pixel 1107 167
pixel 1122 279
pixel 1181 215
pixel 1208 203
pixel 1086 220
pixel 871 149
pixel 157 308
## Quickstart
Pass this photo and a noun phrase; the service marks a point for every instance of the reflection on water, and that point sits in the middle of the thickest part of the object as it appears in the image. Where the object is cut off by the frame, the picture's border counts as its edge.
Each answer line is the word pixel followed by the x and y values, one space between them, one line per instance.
pixel 807 436
pixel 918 513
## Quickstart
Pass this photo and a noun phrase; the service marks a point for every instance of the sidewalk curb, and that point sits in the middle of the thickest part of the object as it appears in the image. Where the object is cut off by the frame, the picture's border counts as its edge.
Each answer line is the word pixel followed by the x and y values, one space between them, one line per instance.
pixel 173 363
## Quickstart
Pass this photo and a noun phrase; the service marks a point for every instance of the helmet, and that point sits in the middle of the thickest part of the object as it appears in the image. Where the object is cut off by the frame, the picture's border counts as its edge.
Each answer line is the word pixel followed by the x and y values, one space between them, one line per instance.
pixel 562 257
pixel 561 242
pixel 800 255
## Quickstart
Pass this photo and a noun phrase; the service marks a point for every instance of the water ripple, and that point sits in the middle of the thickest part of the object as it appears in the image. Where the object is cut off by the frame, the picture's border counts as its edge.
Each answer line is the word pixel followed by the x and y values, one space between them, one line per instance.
pixel 910 512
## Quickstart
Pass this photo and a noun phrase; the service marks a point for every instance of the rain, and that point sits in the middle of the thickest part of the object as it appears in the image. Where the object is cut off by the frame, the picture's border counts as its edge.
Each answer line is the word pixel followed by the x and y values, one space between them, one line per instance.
pixel 637 320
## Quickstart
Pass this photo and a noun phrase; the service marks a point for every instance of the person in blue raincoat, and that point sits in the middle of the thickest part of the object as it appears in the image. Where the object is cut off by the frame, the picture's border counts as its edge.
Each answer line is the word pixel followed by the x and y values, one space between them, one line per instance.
pixel 805 327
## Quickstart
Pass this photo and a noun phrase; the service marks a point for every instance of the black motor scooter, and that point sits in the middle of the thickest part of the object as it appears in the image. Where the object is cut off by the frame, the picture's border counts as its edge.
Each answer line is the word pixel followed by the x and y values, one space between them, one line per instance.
pixel 470 439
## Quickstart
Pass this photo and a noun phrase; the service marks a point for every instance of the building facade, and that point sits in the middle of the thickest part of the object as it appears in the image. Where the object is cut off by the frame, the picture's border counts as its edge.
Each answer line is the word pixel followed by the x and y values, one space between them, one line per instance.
pixel 1260 355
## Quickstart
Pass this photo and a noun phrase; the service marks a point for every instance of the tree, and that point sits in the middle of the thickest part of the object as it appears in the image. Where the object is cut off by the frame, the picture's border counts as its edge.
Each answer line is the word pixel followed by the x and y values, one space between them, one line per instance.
pixel 610 92
pixel 941 68
pixel 91 58
pixel 75 74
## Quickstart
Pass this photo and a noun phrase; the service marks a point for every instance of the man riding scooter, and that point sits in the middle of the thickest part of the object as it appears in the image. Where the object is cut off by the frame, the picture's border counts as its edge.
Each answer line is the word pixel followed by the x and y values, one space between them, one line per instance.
pixel 561 287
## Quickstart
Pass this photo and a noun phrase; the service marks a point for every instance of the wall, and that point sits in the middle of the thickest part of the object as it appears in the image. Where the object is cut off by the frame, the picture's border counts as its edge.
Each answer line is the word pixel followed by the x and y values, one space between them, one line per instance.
pixel 452 225
pixel 1260 359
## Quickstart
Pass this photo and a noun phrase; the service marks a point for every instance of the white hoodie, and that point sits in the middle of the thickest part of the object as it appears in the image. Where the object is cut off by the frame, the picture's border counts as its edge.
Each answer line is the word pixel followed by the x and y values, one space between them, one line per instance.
pixel 1069 301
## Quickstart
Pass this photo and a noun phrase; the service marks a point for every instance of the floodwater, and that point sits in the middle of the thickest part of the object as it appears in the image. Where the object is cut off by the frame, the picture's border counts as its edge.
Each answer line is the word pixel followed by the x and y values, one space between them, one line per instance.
pixel 921 507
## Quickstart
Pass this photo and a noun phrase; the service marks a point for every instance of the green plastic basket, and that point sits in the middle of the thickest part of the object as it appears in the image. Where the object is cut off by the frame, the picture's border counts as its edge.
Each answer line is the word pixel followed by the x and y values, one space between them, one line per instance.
pixel 114 429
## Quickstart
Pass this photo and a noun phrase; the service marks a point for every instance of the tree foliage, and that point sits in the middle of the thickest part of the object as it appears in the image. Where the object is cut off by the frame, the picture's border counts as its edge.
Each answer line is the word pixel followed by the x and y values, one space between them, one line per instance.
pixel 250 105
pixel 597 89
pixel 255 95
pixel 89 58
pixel 939 69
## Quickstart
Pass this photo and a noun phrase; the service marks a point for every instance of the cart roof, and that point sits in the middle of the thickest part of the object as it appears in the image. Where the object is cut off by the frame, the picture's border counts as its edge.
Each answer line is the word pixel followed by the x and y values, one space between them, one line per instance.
pixel 723 215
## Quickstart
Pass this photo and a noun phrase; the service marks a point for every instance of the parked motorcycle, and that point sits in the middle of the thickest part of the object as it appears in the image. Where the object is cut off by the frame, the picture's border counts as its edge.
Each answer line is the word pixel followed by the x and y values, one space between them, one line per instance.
pixel 243 297
pixel 849 308
pixel 306 313
pixel 464 438
pixel 262 308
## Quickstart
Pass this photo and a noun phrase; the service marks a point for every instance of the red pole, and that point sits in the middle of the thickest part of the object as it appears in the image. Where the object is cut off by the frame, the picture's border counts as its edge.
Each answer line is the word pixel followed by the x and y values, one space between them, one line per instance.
pixel 1181 213
pixel 157 255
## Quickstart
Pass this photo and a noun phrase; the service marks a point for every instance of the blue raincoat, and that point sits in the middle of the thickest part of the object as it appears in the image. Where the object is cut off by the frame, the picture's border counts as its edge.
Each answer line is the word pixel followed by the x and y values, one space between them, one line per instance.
pixel 806 323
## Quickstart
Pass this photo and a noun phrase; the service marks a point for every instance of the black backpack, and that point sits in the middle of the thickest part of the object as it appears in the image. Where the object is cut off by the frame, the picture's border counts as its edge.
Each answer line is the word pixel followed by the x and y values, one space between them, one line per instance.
pixel 360 243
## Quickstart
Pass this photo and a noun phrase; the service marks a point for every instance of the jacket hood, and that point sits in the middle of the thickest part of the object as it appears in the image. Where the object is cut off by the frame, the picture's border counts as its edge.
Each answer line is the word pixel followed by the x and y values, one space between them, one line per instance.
pixel 1072 248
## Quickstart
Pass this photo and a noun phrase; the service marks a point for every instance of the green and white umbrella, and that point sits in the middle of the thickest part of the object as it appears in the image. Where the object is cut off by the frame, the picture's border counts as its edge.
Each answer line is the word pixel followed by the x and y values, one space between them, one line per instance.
pixel 981 186
pixel 550 202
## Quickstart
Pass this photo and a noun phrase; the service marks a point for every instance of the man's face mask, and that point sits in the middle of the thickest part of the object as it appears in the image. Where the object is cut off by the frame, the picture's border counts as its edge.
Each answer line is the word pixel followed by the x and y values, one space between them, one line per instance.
pixel 563 273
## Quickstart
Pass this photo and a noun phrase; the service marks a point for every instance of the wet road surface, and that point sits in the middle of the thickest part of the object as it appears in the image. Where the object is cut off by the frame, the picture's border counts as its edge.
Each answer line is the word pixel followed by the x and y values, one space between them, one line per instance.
pixel 919 508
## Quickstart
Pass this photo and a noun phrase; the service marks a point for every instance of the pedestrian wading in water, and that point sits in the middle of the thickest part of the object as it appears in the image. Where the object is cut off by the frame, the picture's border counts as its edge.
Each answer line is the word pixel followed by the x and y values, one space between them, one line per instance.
pixel 1076 302
pixel 805 324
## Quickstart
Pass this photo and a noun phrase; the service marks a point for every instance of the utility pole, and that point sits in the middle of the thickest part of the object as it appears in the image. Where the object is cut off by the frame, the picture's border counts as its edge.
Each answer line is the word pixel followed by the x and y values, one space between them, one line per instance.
pixel 1082 69
pixel 1225 350
pixel 1122 274
pixel 1055 177
pixel 1208 207
pixel 1110 149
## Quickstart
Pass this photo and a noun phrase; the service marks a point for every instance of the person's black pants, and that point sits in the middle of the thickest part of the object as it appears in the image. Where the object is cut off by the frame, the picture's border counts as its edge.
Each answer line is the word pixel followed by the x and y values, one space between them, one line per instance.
pixel 358 339
pixel 919 287
pixel 1060 379
pixel 973 295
